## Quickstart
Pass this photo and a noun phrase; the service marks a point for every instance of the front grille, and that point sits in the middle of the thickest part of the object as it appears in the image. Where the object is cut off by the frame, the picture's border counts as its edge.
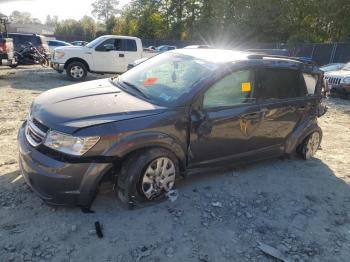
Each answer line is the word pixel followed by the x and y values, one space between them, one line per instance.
pixel 334 80
pixel 35 133
pixel 40 125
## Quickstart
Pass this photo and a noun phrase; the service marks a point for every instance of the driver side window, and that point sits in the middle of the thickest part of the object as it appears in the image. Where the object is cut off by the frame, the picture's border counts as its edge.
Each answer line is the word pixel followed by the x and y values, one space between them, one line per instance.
pixel 234 89
pixel 111 44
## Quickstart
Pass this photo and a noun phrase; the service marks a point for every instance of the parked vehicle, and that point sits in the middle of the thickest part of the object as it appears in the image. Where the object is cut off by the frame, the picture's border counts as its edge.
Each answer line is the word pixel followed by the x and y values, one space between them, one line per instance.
pixel 30 55
pixel 56 43
pixel 164 48
pixel 178 111
pixel 332 67
pixel 7 57
pixel 106 54
pixel 137 62
pixel 37 41
pixel 339 81
pixel 79 43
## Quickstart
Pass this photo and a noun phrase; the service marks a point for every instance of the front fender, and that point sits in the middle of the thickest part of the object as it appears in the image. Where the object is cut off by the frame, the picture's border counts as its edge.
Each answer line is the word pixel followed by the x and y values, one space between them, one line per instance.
pixel 137 141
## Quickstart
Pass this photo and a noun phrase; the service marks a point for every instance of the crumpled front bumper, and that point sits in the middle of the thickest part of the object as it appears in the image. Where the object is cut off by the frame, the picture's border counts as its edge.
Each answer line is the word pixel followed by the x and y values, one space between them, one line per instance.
pixel 58 182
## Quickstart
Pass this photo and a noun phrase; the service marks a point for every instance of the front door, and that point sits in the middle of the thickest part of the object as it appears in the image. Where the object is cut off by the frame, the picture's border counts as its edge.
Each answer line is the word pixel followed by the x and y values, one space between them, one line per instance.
pixel 225 126
pixel 109 56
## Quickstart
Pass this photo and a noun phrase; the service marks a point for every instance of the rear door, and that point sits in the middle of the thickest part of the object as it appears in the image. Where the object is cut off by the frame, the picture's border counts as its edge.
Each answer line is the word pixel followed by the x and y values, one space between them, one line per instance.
pixel 131 52
pixel 282 96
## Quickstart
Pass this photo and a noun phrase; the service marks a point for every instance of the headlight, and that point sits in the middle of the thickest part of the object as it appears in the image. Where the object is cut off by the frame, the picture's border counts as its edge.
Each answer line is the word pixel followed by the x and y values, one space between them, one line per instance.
pixel 59 54
pixel 68 144
pixel 346 80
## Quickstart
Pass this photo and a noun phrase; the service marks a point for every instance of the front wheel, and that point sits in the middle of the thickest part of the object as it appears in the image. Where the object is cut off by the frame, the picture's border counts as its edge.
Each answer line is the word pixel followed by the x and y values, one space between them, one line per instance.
pixel 307 149
pixel 76 71
pixel 147 176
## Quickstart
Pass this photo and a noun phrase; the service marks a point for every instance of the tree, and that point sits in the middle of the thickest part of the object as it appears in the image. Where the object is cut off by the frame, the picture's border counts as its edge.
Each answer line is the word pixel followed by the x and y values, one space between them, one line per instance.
pixel 104 9
pixel 23 18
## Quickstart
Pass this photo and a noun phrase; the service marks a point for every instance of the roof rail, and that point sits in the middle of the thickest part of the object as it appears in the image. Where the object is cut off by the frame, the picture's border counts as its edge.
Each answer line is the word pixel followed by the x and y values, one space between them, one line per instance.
pixel 297 59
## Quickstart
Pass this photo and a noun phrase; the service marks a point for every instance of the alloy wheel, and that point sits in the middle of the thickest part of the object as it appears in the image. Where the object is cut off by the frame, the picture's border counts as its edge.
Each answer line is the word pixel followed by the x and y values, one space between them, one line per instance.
pixel 77 72
pixel 312 145
pixel 158 177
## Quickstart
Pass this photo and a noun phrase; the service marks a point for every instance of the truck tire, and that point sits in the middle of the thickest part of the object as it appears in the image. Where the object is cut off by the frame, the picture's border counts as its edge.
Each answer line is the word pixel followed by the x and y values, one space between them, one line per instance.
pixel 76 71
pixel 146 176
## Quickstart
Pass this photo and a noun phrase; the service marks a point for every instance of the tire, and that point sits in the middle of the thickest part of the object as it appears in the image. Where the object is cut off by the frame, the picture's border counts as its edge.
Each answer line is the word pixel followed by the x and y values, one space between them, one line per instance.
pixel 13 65
pixel 310 145
pixel 137 185
pixel 76 71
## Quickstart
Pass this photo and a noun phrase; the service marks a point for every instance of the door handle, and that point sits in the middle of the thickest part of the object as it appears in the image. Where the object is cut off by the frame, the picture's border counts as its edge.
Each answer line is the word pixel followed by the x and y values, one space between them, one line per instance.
pixel 253 115
pixel 121 55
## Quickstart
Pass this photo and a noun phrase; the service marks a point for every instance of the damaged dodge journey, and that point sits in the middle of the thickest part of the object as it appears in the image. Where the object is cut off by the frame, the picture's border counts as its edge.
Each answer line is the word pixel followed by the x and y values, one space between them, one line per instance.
pixel 179 111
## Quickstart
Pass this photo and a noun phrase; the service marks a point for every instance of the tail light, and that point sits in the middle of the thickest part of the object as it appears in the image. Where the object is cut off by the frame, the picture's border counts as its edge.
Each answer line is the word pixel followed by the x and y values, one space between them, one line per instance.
pixel 3 47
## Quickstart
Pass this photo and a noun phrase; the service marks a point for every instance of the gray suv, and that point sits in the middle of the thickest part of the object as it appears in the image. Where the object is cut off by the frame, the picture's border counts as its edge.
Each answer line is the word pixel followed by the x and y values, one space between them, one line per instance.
pixel 176 112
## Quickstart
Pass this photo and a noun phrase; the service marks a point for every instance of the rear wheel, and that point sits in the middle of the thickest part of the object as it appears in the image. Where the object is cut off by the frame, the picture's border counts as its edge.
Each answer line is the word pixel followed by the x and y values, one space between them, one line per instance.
pixel 76 71
pixel 147 176
pixel 310 145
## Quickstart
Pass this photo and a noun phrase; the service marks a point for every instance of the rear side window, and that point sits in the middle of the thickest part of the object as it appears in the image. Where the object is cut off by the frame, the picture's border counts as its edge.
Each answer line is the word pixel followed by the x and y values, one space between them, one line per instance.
pixel 234 89
pixel 311 82
pixel 130 45
pixel 279 84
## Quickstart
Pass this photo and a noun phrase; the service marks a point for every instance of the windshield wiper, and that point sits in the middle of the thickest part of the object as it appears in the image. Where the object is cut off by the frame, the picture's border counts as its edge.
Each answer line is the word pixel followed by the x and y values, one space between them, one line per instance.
pixel 135 88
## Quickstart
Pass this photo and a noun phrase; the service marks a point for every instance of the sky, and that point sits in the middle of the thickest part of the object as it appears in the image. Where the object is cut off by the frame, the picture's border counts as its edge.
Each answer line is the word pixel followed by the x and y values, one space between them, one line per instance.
pixel 65 9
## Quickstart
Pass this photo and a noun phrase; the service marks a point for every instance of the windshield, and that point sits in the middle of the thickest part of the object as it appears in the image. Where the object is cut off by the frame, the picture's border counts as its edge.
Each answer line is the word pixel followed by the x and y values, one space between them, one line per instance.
pixel 167 77
pixel 94 42
pixel 346 67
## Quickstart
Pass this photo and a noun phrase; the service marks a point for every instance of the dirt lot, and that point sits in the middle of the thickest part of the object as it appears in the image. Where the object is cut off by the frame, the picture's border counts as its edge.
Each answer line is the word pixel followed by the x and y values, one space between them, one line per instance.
pixel 301 208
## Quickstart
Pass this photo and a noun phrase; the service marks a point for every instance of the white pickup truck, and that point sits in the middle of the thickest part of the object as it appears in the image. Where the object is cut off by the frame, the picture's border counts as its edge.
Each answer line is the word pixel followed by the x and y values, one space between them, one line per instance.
pixel 106 54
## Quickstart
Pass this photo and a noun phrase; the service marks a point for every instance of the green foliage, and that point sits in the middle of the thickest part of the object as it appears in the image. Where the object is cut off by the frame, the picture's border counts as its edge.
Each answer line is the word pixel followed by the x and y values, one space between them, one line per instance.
pixel 18 17
pixel 227 22
pixel 104 9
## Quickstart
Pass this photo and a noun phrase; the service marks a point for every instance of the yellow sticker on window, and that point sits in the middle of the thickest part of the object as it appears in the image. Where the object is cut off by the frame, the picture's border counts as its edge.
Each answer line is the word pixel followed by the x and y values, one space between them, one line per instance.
pixel 246 87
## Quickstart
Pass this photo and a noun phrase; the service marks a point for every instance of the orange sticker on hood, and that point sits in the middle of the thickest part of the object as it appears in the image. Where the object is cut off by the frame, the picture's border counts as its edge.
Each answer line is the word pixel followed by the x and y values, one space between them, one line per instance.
pixel 150 81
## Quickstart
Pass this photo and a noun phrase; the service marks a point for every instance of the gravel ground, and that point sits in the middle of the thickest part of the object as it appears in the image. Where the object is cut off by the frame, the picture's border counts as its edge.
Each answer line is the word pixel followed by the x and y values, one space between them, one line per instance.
pixel 301 208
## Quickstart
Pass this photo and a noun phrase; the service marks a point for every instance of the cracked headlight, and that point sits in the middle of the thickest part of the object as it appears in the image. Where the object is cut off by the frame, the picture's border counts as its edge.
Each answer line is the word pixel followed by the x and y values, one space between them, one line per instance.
pixel 346 80
pixel 68 144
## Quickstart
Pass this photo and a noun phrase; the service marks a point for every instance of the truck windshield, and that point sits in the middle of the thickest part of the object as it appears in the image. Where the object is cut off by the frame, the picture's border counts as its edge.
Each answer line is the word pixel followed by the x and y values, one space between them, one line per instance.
pixel 96 41
pixel 167 77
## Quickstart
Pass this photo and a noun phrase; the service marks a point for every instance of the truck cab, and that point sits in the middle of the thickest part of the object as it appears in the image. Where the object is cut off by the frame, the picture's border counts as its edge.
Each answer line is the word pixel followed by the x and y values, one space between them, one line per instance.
pixel 106 54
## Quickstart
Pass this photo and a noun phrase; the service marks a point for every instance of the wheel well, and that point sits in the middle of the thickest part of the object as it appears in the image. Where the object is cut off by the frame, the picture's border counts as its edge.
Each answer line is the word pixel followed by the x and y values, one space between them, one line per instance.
pixel 76 59
pixel 182 162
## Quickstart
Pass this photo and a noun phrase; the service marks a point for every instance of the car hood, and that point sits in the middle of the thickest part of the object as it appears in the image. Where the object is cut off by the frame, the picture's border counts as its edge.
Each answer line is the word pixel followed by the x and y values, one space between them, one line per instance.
pixel 70 108
pixel 339 73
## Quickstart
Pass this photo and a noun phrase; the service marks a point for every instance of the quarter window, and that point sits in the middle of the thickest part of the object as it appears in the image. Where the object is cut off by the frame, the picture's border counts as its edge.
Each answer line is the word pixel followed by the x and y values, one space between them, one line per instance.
pixel 234 89
pixel 310 81
pixel 131 46
pixel 279 84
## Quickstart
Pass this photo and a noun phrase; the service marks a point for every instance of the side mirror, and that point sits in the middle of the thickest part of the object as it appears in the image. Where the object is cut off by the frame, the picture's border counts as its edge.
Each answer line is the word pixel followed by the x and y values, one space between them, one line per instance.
pixel 109 47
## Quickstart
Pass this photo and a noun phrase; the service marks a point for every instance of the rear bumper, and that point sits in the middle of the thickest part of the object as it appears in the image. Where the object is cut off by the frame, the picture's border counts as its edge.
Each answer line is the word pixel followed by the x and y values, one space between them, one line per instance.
pixel 58 182
pixel 58 67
